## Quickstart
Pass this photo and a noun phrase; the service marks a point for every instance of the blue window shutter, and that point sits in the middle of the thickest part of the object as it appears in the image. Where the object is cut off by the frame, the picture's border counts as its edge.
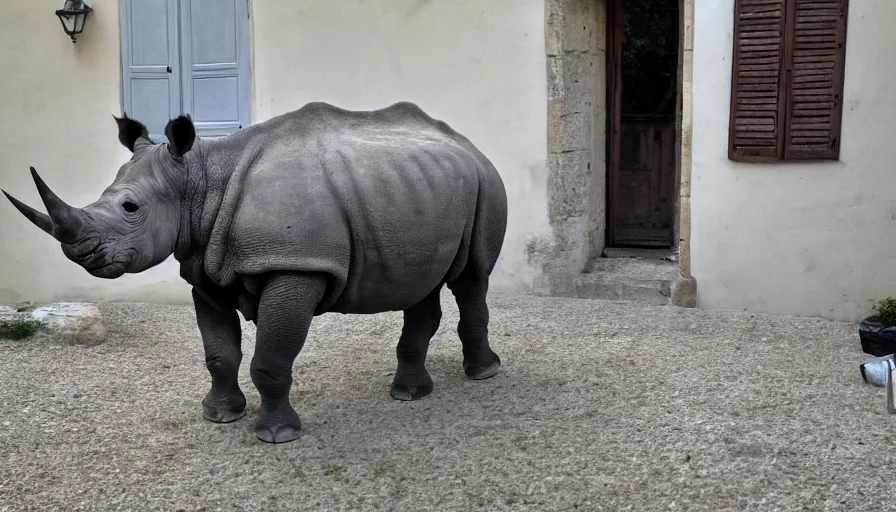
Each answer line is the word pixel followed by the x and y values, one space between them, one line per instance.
pixel 215 57
pixel 151 91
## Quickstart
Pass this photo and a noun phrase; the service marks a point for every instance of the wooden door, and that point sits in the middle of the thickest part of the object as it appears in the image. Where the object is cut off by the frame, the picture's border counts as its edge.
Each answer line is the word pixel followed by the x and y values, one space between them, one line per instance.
pixel 186 57
pixel 150 63
pixel 215 64
pixel 641 146
pixel 645 180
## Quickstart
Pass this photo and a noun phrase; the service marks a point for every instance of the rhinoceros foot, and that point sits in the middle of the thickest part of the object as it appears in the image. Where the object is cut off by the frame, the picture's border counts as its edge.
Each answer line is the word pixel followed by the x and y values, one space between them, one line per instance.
pixel 411 387
pixel 281 434
pixel 278 425
pixel 483 368
pixel 224 407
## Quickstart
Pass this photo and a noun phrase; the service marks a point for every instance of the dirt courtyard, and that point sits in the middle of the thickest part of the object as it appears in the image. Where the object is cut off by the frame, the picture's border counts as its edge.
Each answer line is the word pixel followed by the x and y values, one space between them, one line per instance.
pixel 598 406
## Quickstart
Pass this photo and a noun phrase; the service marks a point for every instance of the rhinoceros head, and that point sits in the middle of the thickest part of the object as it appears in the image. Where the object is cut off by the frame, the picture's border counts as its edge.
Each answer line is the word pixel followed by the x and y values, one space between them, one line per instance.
pixel 135 223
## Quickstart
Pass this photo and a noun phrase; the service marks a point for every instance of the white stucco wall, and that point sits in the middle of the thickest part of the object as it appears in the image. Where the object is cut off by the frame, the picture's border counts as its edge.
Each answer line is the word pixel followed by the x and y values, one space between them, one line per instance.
pixel 479 66
pixel 809 238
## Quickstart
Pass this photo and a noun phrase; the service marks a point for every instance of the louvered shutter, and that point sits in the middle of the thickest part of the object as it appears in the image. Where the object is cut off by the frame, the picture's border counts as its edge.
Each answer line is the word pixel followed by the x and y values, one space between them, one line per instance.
pixel 150 63
pixel 815 87
pixel 215 56
pixel 757 112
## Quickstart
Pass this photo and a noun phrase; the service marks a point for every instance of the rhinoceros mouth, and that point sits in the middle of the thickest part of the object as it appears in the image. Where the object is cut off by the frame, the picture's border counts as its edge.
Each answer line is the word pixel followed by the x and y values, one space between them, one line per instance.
pixel 84 255
pixel 97 261
pixel 88 252
pixel 108 271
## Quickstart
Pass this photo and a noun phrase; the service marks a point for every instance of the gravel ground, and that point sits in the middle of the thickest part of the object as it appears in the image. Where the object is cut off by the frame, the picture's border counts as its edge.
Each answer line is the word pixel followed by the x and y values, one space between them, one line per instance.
pixel 599 406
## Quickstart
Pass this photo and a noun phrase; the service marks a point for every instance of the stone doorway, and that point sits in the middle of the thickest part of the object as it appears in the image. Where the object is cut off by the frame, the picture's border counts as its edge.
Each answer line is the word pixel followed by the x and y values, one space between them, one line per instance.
pixel 583 176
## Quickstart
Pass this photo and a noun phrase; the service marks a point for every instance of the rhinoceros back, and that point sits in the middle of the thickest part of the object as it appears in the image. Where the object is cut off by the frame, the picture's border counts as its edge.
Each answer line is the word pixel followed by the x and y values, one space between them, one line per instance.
pixel 384 202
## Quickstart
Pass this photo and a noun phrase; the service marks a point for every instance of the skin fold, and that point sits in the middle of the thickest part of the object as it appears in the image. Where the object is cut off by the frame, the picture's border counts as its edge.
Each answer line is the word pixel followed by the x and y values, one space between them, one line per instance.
pixel 318 210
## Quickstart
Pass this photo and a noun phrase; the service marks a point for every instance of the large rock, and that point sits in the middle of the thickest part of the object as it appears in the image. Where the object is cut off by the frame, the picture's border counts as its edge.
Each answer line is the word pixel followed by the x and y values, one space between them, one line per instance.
pixel 67 322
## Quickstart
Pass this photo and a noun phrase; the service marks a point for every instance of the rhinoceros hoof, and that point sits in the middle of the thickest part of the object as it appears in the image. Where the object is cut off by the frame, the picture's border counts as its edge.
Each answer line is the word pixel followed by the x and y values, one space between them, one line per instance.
pixel 223 409
pixel 407 389
pixel 483 370
pixel 281 425
pixel 281 434
pixel 216 415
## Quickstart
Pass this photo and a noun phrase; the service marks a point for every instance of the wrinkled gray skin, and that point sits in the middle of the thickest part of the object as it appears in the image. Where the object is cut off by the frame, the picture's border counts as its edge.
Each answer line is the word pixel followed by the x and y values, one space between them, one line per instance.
pixel 318 210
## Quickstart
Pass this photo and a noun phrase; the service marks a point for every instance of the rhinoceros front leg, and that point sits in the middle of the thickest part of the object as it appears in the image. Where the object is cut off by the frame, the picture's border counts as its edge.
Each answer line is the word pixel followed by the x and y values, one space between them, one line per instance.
pixel 220 330
pixel 421 321
pixel 285 311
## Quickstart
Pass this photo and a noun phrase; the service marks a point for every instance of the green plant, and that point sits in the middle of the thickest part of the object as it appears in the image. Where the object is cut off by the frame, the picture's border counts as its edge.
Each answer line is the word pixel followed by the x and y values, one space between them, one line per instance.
pixel 18 328
pixel 886 311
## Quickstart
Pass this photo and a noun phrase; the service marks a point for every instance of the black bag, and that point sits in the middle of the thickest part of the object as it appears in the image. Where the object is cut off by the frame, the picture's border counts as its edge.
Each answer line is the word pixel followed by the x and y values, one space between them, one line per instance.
pixel 876 339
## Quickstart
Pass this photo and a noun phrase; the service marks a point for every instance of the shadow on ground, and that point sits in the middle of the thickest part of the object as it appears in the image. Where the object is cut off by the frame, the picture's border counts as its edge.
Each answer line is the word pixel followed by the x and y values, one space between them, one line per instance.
pixel 599 406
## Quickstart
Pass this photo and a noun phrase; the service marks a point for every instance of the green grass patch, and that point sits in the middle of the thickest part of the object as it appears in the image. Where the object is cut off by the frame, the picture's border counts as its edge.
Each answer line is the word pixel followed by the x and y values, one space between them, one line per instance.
pixel 18 328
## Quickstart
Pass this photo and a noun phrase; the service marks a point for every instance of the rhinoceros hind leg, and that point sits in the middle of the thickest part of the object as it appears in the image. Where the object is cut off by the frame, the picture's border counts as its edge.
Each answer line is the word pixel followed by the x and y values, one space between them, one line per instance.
pixel 421 321
pixel 285 312
pixel 470 291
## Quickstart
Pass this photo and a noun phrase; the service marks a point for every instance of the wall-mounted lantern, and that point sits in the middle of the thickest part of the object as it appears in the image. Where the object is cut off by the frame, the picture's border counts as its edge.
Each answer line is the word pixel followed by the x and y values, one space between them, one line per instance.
pixel 73 15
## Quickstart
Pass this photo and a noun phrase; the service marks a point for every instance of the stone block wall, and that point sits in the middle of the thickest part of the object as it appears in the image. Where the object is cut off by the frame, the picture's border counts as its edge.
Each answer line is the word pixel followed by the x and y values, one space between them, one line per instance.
pixel 575 38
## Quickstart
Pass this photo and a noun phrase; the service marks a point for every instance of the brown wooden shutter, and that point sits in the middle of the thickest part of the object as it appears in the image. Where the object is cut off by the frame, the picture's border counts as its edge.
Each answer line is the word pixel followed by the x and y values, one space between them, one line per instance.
pixel 756 127
pixel 815 83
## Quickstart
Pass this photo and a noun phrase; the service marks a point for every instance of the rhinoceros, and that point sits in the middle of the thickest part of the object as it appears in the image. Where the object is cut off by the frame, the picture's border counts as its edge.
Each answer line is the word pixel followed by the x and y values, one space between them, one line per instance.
pixel 318 210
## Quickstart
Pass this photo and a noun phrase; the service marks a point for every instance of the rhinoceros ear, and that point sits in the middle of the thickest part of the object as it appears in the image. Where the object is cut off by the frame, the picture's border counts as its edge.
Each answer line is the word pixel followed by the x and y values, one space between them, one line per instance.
pixel 181 133
pixel 130 131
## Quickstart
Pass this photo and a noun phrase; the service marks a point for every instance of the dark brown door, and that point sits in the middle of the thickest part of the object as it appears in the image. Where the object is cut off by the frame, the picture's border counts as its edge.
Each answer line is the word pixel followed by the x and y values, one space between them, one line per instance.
pixel 643 74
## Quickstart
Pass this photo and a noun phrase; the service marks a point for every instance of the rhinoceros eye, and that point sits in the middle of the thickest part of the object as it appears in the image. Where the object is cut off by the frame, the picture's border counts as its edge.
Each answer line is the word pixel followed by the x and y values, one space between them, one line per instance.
pixel 129 207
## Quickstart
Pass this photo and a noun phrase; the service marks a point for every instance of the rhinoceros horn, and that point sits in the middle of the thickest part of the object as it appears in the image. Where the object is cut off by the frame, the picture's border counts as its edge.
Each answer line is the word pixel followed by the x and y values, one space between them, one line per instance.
pixel 64 222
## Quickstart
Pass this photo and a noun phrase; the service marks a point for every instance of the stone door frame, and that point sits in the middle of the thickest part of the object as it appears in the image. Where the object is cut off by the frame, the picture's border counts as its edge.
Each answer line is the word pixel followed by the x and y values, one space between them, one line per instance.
pixel 575 45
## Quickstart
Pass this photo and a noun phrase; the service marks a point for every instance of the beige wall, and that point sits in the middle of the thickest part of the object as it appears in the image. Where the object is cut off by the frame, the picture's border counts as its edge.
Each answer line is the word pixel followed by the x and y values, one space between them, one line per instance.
pixel 480 66
pixel 58 101
pixel 811 238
